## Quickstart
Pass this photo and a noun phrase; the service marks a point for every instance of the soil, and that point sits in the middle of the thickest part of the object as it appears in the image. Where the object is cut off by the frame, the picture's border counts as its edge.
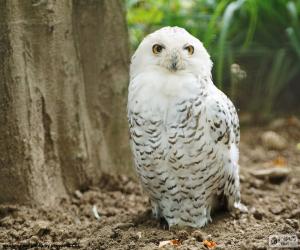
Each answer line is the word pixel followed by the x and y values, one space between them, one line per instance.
pixel 116 214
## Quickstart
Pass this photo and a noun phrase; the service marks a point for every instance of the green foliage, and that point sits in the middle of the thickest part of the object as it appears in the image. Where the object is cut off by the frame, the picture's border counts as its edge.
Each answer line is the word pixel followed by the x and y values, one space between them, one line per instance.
pixel 262 36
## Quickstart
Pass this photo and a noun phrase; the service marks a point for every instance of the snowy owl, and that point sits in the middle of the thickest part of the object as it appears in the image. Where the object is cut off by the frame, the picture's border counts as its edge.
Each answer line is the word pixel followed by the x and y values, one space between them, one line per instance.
pixel 184 132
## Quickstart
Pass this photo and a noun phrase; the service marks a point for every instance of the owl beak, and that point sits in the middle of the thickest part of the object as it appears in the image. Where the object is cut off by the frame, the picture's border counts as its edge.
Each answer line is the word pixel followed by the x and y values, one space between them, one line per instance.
pixel 174 66
pixel 174 61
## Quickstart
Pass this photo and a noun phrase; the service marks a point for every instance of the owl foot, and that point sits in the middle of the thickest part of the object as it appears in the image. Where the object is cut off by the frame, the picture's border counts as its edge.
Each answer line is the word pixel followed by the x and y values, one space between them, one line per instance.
pixel 241 207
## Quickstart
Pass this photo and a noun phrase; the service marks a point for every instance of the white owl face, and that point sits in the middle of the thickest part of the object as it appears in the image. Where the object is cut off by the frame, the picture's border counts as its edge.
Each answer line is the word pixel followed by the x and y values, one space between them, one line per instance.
pixel 174 50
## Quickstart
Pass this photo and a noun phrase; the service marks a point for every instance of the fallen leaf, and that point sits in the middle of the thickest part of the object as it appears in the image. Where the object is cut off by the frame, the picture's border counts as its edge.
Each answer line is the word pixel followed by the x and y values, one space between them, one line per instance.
pixel 169 242
pixel 175 242
pixel 279 162
pixel 209 244
pixel 298 146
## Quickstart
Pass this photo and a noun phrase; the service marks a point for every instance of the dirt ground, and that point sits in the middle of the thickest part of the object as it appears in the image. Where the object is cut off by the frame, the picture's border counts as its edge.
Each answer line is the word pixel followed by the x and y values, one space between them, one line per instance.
pixel 116 214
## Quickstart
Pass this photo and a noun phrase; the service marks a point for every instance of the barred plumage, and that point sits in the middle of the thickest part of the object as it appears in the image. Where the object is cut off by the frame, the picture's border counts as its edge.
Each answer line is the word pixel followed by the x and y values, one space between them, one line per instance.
pixel 184 131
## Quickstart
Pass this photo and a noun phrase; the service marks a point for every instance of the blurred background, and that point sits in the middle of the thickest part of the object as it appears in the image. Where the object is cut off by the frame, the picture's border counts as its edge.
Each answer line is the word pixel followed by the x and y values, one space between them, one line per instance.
pixel 254 44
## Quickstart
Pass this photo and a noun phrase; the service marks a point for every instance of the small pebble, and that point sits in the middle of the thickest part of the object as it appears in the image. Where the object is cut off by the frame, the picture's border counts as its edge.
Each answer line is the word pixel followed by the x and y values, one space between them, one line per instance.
pixel 256 183
pixel 198 235
pixel 295 213
pixel 258 215
pixel 78 194
pixel 272 140
pixel 139 234
pixel 41 228
pixel 276 210
pixel 293 223
pixel 34 239
pixel 182 235
pixel 220 247
pixel 286 229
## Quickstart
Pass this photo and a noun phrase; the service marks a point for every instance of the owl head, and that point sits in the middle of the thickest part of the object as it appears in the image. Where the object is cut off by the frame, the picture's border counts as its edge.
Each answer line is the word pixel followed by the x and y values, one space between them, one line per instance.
pixel 172 50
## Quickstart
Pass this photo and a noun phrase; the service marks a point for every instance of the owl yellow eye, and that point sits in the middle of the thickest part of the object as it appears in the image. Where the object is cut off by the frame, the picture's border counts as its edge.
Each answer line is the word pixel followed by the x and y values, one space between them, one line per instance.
pixel 156 48
pixel 190 49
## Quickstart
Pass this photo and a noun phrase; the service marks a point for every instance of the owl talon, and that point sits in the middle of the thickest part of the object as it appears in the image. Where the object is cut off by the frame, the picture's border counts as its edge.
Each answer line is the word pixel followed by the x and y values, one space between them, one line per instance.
pixel 164 224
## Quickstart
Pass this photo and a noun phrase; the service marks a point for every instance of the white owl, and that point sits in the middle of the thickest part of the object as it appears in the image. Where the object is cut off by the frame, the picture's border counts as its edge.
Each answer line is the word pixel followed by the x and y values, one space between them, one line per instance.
pixel 184 132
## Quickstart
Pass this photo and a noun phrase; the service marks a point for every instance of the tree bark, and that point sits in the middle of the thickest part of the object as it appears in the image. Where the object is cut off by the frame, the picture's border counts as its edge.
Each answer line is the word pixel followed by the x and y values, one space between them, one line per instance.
pixel 63 83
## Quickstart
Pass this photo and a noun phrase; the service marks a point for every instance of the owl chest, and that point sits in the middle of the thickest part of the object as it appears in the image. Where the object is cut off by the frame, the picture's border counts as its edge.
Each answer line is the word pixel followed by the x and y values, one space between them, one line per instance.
pixel 170 134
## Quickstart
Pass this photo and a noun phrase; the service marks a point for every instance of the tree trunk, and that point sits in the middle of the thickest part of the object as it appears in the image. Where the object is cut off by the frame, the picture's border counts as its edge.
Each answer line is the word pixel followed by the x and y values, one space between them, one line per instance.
pixel 63 83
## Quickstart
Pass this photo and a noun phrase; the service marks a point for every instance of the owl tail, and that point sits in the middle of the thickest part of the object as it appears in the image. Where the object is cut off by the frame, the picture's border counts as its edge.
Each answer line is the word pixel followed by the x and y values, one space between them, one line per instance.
pixel 232 191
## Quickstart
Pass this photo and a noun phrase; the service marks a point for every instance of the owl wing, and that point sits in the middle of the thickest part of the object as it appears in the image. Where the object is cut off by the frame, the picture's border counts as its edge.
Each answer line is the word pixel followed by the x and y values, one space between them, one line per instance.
pixel 222 119
pixel 223 125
